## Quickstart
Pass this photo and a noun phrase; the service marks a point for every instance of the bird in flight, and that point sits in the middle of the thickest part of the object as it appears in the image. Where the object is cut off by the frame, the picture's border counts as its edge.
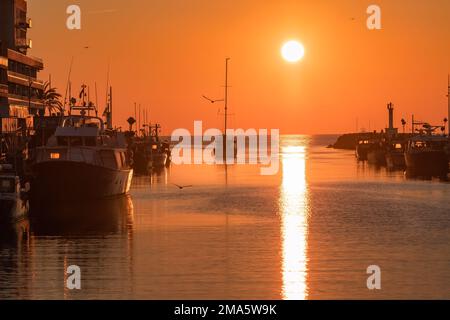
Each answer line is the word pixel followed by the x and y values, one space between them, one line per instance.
pixel 211 100
pixel 181 187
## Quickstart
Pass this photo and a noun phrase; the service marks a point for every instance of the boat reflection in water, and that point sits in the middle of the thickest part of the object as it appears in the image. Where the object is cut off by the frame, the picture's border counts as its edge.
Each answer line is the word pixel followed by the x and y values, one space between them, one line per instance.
pixel 97 236
pixel 96 217
pixel 14 233
pixel 294 210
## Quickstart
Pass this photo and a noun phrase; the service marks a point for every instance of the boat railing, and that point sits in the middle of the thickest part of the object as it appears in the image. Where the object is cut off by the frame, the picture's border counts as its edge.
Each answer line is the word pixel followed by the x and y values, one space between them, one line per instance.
pixel 72 120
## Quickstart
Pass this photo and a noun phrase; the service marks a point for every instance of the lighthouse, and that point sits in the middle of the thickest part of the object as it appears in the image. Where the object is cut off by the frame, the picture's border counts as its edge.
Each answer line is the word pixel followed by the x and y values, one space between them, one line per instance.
pixel 391 131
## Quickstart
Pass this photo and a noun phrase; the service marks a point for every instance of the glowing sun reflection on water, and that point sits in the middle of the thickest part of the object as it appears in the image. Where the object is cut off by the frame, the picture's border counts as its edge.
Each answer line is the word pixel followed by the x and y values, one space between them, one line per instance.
pixel 294 212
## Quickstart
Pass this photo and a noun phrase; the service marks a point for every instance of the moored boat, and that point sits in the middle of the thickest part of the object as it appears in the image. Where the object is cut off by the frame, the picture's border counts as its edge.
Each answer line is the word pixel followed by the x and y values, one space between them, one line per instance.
pixel 81 160
pixel 84 159
pixel 395 158
pixel 376 154
pixel 14 203
pixel 362 148
pixel 150 152
pixel 426 156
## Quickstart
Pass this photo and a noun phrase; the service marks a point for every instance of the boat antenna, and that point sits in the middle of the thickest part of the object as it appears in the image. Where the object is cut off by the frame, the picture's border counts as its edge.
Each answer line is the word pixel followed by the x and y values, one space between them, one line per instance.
pixel 107 82
pixel 96 100
pixel 89 100
pixel 135 116
pixel 139 130
pixel 146 116
pixel 70 97
pixel 68 85
pixel 111 105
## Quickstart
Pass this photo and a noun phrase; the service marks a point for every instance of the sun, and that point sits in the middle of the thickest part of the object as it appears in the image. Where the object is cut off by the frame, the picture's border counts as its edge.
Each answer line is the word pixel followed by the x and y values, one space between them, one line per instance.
pixel 292 51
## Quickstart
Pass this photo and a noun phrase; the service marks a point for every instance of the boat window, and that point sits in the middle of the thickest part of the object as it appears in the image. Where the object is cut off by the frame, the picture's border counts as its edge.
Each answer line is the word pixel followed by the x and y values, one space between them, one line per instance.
pixel 419 144
pixel 122 159
pixel 7 185
pixel 63 141
pixel 89 141
pixel 75 141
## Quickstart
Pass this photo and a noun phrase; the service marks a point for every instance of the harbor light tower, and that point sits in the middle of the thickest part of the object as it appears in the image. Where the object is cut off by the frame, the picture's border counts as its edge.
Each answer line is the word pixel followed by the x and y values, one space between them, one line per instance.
pixel 391 131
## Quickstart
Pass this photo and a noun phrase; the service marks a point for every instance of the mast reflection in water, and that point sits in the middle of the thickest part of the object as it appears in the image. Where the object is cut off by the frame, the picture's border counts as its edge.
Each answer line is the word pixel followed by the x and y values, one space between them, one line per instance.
pixel 294 208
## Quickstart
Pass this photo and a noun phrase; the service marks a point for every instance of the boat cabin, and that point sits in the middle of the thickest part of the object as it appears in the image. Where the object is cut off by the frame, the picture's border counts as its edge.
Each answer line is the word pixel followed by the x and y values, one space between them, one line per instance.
pixel 83 139
pixel 427 143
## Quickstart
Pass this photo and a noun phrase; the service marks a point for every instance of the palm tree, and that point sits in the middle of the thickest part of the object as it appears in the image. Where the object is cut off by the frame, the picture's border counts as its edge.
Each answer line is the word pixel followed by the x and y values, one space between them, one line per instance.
pixel 51 99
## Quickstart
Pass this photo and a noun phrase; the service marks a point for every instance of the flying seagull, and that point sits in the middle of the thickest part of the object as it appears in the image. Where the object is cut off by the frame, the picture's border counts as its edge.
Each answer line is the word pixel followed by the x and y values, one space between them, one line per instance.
pixel 211 100
pixel 181 187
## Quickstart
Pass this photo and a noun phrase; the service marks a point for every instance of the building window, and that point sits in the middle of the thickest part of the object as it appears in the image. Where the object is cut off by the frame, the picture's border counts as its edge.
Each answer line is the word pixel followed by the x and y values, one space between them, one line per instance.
pixel 21 68
pixel 21 34
pixel 19 90
pixel 21 16
pixel 3 76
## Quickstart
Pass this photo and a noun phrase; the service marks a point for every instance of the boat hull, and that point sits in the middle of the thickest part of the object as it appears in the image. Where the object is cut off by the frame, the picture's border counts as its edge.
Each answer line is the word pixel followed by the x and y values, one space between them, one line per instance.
pixel 395 160
pixel 430 163
pixel 361 152
pixel 57 181
pixel 376 157
pixel 143 164
pixel 159 160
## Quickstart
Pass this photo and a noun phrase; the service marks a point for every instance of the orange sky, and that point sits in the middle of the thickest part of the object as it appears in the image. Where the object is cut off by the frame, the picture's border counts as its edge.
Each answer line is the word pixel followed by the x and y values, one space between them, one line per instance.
pixel 165 54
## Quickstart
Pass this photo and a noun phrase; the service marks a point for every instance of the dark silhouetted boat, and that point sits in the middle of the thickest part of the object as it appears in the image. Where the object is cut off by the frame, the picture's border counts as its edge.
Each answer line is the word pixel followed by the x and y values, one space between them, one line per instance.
pixel 370 149
pixel 426 156
pixel 376 154
pixel 362 148
pixel 84 159
pixel 395 154
pixel 14 203
pixel 150 152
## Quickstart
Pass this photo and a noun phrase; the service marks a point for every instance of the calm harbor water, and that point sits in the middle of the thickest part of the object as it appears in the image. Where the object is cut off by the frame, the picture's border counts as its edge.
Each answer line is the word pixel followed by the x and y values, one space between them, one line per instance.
pixel 308 232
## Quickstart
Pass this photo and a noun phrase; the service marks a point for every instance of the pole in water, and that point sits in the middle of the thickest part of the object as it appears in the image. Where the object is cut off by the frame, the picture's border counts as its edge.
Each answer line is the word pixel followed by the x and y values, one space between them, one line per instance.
pixel 226 110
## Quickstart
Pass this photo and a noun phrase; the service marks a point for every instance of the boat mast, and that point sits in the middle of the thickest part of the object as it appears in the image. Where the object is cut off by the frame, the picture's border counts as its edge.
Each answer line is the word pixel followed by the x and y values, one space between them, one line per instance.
pixel 448 101
pixel 226 97
pixel 67 87
pixel 110 108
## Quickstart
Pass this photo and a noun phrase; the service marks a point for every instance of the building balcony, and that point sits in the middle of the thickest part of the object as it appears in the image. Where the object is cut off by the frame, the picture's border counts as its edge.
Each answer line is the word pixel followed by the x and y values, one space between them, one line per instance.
pixel 26 59
pixel 18 97
pixel 24 79
pixel 24 23
pixel 3 62
pixel 25 82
